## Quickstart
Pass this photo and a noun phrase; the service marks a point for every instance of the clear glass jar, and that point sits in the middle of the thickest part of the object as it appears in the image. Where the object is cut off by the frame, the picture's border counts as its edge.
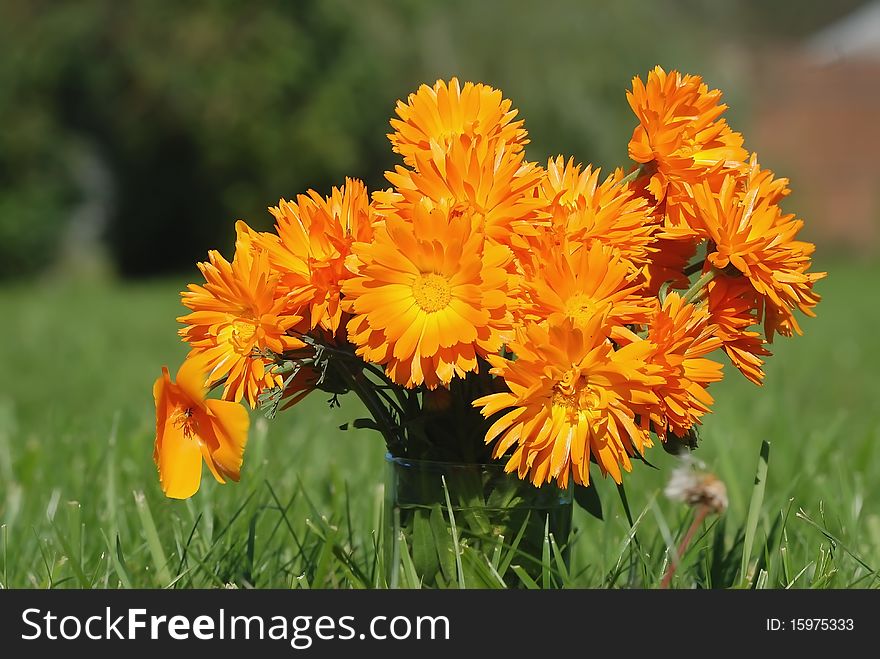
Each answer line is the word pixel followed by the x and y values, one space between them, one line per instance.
pixel 470 525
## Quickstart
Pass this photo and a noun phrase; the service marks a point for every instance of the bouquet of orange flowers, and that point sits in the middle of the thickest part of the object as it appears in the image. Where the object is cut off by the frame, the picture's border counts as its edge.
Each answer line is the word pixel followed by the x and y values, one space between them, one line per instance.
pixel 489 307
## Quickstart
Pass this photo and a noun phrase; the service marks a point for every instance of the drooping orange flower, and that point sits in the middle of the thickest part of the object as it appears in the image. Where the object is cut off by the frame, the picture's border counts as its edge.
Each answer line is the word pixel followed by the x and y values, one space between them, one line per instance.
pixel 681 334
pixel 237 314
pixel 681 136
pixel 572 397
pixel 579 282
pixel 314 237
pixel 733 308
pixel 190 428
pixel 429 297
pixel 486 180
pixel 582 209
pixel 434 117
pixel 752 237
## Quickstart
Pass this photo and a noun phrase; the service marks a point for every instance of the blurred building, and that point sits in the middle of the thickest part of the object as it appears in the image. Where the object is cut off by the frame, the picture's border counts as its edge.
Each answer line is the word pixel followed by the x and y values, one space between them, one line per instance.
pixel 815 120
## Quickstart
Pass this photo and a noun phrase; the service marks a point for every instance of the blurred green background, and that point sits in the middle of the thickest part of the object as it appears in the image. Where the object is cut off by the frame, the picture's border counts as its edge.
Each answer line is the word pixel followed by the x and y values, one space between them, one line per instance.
pixel 134 134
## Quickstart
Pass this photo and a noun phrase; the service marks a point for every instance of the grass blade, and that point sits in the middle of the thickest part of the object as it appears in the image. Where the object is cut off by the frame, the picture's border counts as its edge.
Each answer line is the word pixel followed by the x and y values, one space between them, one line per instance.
pixel 801 514
pixel 754 515
pixel 527 581
pixel 545 555
pixel 630 539
pixel 514 546
pixel 409 568
pixel 110 484
pixel 153 542
pixel 117 560
pixel 454 530
pixel 5 533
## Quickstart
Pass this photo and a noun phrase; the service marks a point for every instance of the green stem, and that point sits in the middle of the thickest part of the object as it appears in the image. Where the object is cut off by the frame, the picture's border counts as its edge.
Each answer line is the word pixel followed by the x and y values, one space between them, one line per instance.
pixel 693 268
pixel 702 512
pixel 349 356
pixel 695 292
pixel 371 401
pixel 390 385
pixel 632 176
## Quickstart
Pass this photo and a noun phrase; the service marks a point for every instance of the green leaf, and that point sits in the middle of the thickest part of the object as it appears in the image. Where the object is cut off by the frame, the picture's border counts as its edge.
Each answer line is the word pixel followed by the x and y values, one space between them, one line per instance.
pixel 410 575
pixel 621 492
pixel 424 550
pixel 587 497
pixel 443 543
pixel 368 424
pixel 504 494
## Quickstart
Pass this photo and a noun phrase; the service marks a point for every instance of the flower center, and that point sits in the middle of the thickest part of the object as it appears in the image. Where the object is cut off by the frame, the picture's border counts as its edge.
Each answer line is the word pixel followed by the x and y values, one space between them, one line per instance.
pixel 574 393
pixel 185 420
pixel 243 331
pixel 581 307
pixel 567 400
pixel 432 292
pixel 567 392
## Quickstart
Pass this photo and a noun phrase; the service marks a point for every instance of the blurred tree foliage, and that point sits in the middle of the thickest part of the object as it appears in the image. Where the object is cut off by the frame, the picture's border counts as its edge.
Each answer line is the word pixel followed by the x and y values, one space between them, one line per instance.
pixel 204 112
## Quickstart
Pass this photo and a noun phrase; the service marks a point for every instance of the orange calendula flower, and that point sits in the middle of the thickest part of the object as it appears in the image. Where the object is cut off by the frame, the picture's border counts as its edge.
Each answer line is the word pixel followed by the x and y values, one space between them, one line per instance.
pixel 238 313
pixel 592 281
pixel 314 237
pixel 752 237
pixel 572 397
pixel 681 334
pixel 733 307
pixel 680 136
pixel 488 181
pixel 584 209
pixel 434 117
pixel 429 298
pixel 190 428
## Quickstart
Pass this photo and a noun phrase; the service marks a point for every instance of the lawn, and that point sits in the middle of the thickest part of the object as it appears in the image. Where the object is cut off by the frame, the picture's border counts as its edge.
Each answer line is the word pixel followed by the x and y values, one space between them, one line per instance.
pixel 80 504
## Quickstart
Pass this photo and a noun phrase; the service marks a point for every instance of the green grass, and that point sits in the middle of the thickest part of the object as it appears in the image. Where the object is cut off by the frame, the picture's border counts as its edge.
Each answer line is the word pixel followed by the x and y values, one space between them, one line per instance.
pixel 80 504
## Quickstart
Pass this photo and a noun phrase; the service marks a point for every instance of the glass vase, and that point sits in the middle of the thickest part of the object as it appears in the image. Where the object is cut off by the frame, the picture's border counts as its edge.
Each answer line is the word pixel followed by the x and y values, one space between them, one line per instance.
pixel 451 525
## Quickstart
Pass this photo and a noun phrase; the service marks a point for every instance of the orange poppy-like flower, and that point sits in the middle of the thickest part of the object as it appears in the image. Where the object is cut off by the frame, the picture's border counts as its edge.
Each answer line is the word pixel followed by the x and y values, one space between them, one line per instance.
pixel 753 238
pixel 190 428
pixel 434 117
pixel 236 315
pixel 681 334
pixel 486 180
pixel 584 209
pixel 430 296
pixel 733 307
pixel 314 237
pixel 572 397
pixel 680 136
pixel 578 282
